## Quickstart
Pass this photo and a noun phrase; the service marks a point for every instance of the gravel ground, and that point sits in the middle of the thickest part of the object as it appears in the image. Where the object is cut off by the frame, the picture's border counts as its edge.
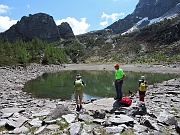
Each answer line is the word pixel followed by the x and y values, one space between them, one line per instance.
pixel 128 67
pixel 12 80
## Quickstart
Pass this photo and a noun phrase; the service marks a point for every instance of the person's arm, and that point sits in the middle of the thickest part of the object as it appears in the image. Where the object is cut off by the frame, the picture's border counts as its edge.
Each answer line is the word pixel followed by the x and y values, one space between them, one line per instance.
pixel 124 76
pixel 83 83
pixel 74 85
pixel 146 84
pixel 140 81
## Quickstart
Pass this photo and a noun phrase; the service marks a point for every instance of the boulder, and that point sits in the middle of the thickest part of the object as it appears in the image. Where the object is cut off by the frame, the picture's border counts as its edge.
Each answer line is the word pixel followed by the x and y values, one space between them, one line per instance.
pixel 167 118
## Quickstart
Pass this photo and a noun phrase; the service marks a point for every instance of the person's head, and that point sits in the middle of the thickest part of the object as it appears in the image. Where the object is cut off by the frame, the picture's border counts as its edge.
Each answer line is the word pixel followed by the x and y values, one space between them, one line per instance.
pixel 116 66
pixel 143 78
pixel 78 76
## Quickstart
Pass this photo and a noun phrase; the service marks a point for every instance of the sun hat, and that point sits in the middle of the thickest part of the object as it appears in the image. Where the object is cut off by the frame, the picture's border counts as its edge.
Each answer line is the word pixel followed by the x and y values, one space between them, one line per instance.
pixel 78 76
pixel 116 65
pixel 143 77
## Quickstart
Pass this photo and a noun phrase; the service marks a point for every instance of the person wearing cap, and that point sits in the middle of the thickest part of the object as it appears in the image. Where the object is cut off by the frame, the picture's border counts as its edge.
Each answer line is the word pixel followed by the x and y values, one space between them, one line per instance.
pixel 79 85
pixel 142 88
pixel 119 77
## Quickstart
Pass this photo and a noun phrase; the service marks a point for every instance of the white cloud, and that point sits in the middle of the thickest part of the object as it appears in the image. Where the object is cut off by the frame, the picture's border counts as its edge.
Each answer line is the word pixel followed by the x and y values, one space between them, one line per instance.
pixel 113 17
pixel 6 23
pixel 104 23
pixel 3 8
pixel 28 6
pixel 78 27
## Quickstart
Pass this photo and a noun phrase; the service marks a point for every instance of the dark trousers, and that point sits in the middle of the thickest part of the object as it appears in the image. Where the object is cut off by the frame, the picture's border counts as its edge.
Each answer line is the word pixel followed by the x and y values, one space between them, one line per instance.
pixel 118 86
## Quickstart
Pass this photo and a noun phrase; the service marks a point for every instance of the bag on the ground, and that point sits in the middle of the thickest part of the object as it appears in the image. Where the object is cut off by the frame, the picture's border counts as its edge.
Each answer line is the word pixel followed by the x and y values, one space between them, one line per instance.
pixel 142 87
pixel 78 85
pixel 126 101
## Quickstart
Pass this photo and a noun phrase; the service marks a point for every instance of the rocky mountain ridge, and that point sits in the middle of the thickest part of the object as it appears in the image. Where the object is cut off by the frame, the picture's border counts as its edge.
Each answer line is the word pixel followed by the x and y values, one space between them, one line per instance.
pixel 149 43
pixel 39 25
pixel 150 9
pixel 42 26
pixel 165 32
pixel 152 29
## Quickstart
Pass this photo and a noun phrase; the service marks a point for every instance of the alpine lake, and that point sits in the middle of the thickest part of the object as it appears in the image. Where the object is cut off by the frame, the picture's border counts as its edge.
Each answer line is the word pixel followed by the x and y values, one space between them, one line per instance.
pixel 99 84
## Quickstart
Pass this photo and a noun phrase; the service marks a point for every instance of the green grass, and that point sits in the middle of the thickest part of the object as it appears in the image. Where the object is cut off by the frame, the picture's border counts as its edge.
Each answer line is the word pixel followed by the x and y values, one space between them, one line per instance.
pixel 127 133
pixel 2 128
pixel 175 110
pixel 62 124
pixel 33 129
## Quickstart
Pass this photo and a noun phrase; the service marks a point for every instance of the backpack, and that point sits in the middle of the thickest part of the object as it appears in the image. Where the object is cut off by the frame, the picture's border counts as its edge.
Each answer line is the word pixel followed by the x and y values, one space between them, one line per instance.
pixel 125 101
pixel 142 87
pixel 78 85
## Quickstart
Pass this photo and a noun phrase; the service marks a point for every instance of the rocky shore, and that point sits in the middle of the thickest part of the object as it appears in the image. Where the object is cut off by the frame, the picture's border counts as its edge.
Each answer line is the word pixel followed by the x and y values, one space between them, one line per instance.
pixel 21 113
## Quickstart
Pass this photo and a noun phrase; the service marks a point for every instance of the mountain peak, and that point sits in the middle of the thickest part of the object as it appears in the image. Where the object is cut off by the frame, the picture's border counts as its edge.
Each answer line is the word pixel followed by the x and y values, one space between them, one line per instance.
pixel 38 25
pixel 149 9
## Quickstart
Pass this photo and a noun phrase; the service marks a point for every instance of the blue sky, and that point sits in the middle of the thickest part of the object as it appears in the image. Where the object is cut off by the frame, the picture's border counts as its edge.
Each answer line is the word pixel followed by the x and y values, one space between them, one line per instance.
pixel 82 15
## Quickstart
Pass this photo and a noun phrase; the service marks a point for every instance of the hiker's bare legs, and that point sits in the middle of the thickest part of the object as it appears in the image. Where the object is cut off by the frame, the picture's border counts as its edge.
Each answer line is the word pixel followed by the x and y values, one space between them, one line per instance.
pixel 80 104
pixel 76 102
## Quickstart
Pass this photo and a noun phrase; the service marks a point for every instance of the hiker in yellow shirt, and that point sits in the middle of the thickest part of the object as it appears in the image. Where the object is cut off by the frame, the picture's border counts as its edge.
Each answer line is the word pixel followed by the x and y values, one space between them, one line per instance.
pixel 119 77
pixel 142 88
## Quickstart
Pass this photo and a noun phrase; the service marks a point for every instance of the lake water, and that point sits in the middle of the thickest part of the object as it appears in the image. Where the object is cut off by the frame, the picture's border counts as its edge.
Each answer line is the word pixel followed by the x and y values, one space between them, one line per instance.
pixel 100 84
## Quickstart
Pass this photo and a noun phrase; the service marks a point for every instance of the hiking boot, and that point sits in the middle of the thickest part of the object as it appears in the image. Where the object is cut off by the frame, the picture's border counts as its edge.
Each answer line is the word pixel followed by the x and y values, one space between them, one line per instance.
pixel 78 109
pixel 118 100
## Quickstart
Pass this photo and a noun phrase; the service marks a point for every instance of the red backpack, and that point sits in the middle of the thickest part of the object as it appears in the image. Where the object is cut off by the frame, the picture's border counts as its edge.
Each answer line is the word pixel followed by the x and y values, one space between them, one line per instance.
pixel 125 101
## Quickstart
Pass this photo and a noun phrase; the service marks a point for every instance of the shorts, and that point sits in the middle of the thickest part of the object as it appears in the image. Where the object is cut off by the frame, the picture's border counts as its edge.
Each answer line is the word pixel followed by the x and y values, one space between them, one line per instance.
pixel 78 95
pixel 142 92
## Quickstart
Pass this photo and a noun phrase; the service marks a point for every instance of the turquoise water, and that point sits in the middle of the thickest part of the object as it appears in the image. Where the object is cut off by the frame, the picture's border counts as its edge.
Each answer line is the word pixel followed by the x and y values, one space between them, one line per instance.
pixel 100 84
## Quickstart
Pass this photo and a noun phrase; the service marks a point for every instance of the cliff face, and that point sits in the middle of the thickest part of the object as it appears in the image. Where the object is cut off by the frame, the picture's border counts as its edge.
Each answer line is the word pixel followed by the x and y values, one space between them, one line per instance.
pixel 163 32
pixel 39 25
pixel 65 31
pixel 153 8
pixel 150 9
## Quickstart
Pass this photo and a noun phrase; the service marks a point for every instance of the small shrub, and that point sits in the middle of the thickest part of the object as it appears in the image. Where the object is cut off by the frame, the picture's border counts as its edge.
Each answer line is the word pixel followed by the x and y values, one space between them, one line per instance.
pixel 62 124
pixel 127 133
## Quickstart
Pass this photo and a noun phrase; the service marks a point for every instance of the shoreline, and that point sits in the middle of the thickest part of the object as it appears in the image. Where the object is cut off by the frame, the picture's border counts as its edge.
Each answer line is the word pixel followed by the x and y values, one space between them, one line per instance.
pixel 16 77
pixel 127 67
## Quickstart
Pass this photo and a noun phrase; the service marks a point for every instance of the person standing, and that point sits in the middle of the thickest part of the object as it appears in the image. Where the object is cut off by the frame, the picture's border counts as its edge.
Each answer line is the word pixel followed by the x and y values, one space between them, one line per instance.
pixel 119 77
pixel 79 85
pixel 142 88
